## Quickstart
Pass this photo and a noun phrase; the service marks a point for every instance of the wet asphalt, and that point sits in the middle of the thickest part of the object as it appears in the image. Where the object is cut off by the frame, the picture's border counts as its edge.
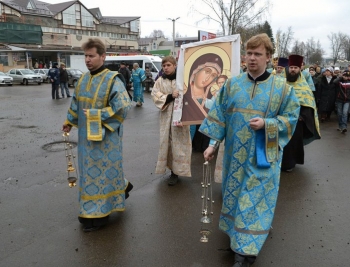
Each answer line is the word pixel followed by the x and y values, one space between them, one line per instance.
pixel 160 226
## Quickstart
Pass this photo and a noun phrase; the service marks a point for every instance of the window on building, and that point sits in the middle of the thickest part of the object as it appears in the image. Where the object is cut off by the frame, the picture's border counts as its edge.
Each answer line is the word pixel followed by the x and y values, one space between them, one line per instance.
pixel 134 26
pixel 87 19
pixel 154 46
pixel 69 16
pixel 4 59
pixel 30 5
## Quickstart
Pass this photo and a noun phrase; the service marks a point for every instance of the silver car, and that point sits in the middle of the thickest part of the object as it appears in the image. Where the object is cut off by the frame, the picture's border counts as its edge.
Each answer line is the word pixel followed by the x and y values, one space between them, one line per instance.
pixel 43 73
pixel 5 79
pixel 24 76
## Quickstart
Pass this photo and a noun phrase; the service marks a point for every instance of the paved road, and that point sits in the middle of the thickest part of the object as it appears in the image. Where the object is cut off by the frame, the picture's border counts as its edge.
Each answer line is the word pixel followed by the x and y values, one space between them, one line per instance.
pixel 160 227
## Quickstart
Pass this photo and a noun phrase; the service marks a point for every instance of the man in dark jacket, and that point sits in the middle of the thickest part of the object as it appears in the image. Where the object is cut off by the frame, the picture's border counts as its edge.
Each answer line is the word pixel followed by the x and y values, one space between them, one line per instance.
pixel 123 70
pixel 326 94
pixel 342 100
pixel 54 75
pixel 64 80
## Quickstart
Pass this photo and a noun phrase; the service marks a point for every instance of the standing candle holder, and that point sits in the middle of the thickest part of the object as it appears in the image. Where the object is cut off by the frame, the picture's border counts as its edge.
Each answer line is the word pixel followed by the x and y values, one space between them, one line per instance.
pixel 70 159
pixel 207 202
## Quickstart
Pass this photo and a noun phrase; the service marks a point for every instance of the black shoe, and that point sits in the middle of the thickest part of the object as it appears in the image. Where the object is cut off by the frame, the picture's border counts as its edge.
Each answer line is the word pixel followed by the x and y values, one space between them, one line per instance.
pixel 173 179
pixel 344 130
pixel 241 261
pixel 128 189
pixel 69 96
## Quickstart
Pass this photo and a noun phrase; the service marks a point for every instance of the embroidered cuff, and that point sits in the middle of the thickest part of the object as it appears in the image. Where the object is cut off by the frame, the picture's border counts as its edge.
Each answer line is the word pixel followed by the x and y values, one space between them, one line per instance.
pixel 213 143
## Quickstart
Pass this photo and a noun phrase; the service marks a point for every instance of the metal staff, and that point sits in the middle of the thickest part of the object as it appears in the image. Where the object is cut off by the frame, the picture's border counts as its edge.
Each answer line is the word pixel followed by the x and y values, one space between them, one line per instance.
pixel 70 159
pixel 207 196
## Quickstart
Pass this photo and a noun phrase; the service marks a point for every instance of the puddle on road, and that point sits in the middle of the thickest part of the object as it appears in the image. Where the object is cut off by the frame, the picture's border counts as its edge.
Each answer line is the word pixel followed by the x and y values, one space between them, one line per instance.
pixel 57 146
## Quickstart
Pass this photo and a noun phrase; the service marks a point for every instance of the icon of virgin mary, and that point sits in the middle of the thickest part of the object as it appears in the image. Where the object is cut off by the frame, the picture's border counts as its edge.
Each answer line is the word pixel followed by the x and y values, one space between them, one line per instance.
pixel 204 72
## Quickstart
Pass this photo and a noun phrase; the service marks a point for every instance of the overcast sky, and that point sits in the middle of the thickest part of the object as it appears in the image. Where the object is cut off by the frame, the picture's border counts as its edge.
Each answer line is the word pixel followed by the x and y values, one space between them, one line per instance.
pixel 308 18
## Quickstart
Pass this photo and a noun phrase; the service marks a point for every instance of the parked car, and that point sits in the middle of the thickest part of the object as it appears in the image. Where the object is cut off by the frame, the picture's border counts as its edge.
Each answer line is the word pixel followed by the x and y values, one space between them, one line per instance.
pixel 73 76
pixel 43 73
pixel 24 76
pixel 5 79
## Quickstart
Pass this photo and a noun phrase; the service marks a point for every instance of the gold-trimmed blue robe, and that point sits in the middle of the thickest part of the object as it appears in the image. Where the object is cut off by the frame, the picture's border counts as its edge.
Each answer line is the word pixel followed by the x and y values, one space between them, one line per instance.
pixel 309 79
pixel 306 99
pixel 250 193
pixel 137 77
pixel 101 178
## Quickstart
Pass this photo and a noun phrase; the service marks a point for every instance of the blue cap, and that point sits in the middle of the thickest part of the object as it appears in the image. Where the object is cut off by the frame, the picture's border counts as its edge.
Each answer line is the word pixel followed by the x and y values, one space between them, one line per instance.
pixel 282 62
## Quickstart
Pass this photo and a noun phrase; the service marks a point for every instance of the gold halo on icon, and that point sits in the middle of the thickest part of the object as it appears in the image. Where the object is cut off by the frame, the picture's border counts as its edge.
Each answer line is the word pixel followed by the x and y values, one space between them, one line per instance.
pixel 207 49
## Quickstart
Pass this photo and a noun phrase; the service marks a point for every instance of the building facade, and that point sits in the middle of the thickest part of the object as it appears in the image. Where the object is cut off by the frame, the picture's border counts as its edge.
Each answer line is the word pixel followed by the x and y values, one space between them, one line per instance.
pixel 160 46
pixel 38 33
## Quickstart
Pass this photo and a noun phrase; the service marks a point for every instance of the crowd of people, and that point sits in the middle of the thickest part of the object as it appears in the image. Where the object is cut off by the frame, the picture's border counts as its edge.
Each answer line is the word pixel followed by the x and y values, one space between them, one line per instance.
pixel 264 116
pixel 332 93
pixel 330 86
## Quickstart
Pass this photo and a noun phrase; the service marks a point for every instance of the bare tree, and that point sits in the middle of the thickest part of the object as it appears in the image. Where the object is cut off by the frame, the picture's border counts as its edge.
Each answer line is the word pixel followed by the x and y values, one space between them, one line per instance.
pixel 338 41
pixel 298 48
pixel 235 14
pixel 248 32
pixel 156 33
pixel 317 55
pixel 283 41
pixel 313 52
pixel 346 48
pixel 310 48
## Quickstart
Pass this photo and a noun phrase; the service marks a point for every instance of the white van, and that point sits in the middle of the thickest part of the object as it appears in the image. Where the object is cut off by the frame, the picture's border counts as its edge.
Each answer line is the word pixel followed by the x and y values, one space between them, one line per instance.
pixel 154 63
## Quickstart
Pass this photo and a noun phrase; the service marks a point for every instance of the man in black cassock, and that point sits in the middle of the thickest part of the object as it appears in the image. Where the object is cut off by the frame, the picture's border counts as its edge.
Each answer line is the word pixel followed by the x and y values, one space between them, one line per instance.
pixel 307 128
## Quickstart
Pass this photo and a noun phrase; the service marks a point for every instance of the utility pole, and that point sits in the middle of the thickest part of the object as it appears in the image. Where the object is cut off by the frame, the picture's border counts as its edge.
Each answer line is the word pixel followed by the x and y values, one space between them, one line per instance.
pixel 173 20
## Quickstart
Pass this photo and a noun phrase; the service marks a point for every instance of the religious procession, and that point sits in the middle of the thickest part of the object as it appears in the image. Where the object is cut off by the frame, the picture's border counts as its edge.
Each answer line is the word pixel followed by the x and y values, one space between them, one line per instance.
pixel 250 124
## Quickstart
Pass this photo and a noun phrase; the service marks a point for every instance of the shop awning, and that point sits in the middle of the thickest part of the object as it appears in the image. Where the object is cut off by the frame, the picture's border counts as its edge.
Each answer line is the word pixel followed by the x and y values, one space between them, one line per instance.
pixel 160 53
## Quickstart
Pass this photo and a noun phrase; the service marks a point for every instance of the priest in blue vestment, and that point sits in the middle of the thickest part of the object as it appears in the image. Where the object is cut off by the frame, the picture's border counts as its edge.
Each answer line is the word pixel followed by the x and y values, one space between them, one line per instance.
pixel 137 78
pixel 98 109
pixel 307 129
pixel 255 113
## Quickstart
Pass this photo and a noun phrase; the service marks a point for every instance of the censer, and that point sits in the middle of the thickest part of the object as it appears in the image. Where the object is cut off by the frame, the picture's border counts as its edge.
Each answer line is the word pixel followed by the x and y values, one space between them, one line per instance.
pixel 70 159
pixel 207 202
